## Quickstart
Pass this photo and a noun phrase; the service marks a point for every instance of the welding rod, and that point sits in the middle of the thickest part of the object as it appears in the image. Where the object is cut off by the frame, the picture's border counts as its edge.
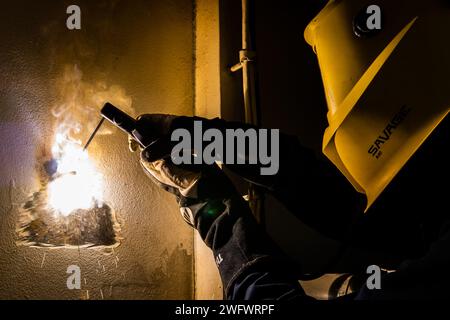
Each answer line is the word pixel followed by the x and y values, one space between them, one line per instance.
pixel 93 133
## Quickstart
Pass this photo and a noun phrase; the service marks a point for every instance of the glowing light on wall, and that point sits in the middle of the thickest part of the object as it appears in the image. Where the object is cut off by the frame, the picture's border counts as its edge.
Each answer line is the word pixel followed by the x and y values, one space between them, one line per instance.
pixel 76 184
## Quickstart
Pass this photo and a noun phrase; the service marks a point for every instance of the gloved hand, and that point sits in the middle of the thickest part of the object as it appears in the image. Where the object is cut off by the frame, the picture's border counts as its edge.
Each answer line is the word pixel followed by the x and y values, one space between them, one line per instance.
pixel 158 129
pixel 209 202
pixel 201 190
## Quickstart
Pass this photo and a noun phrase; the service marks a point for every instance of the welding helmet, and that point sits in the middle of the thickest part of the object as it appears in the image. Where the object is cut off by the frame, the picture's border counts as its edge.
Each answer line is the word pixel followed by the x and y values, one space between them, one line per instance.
pixel 386 88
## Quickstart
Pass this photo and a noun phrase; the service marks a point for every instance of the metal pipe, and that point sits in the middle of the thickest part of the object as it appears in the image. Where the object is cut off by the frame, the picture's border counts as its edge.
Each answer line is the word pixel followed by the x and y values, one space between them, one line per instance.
pixel 247 64
pixel 246 37
pixel 247 60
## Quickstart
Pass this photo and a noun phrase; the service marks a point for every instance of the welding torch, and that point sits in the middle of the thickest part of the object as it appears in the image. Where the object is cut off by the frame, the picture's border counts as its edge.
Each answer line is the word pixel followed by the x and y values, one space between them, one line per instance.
pixel 122 121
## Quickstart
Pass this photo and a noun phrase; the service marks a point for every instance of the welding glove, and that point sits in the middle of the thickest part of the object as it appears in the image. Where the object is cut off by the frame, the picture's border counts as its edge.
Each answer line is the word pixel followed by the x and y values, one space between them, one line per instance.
pixel 158 129
pixel 209 202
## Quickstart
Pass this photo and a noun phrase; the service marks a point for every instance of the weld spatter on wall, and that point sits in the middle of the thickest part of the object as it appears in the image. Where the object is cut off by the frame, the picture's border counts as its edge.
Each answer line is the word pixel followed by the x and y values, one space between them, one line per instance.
pixel 39 226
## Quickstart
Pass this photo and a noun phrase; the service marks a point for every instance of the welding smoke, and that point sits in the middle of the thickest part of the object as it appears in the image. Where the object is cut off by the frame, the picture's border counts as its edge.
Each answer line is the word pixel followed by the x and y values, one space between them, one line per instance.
pixel 77 110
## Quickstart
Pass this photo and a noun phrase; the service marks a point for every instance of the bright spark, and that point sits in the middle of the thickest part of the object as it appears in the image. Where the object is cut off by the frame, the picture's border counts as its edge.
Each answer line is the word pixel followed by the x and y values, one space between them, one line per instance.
pixel 77 184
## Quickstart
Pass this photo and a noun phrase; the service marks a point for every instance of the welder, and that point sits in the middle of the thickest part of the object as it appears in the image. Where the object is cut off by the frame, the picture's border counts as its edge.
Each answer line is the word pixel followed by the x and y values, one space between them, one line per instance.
pixel 388 172
pixel 250 264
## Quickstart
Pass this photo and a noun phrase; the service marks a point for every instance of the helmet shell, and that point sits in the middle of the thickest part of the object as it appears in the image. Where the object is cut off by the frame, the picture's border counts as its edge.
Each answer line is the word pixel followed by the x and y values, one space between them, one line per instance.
pixel 385 93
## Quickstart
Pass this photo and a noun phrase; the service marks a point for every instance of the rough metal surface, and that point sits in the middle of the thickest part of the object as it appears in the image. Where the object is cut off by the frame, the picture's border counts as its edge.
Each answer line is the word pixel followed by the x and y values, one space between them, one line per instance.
pixel 141 50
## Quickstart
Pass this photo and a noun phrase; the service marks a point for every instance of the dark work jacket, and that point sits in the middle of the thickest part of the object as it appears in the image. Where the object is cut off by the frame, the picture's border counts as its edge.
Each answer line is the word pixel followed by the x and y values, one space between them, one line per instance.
pixel 407 222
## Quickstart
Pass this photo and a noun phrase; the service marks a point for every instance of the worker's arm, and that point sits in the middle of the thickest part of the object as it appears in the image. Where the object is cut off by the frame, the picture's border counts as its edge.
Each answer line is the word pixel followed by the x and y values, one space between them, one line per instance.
pixel 250 264
pixel 311 189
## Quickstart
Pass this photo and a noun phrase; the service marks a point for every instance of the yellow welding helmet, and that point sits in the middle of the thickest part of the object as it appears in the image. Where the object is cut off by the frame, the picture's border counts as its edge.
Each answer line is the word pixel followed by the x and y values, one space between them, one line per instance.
pixel 387 89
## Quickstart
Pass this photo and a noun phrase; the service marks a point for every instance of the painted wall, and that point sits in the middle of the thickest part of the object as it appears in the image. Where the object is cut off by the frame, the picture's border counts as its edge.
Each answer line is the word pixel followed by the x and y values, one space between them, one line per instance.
pixel 207 104
pixel 138 54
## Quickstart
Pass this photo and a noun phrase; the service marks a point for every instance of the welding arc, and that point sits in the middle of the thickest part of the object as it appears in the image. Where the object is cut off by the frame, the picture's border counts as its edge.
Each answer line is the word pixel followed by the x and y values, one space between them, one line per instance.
pixel 93 133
